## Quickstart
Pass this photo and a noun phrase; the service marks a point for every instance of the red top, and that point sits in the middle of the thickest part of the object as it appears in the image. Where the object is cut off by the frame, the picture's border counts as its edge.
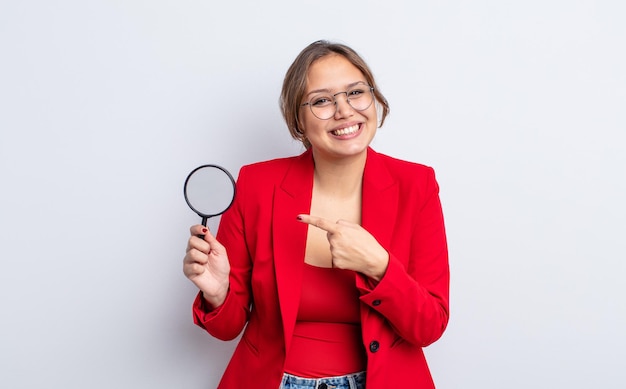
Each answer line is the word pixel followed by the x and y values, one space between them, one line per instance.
pixel 327 335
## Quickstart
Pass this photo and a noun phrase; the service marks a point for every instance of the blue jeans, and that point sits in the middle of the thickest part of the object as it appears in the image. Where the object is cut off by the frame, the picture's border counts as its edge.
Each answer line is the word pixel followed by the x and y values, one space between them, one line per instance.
pixel 350 381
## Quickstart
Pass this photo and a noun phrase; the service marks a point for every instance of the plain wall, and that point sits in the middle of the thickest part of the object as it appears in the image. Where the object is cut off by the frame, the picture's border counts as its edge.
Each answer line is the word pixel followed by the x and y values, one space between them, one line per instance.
pixel 105 106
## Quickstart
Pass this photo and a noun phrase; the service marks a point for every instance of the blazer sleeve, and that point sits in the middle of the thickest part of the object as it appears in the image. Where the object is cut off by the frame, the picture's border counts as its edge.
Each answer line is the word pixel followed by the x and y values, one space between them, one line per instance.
pixel 228 320
pixel 413 294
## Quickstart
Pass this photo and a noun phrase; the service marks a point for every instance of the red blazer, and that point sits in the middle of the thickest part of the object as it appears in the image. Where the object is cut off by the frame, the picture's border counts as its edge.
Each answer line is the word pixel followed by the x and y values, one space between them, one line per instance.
pixel 404 312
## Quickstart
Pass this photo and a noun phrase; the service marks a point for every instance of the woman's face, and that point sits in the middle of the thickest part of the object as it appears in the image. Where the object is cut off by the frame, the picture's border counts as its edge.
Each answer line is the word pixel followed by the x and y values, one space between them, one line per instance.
pixel 348 132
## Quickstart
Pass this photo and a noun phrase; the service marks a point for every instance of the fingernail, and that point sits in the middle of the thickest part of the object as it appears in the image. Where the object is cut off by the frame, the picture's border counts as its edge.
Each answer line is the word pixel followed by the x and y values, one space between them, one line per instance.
pixel 299 217
pixel 204 230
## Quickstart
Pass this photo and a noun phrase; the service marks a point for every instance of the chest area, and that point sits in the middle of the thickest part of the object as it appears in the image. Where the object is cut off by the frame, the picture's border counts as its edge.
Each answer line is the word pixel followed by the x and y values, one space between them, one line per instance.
pixel 332 209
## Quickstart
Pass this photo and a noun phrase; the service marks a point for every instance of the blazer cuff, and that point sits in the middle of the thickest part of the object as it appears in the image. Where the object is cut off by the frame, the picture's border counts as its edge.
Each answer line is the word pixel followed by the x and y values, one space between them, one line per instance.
pixel 372 290
pixel 202 313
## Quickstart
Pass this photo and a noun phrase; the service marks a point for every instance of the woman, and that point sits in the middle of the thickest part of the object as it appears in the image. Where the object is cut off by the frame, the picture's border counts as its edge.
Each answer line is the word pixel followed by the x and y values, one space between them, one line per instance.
pixel 335 261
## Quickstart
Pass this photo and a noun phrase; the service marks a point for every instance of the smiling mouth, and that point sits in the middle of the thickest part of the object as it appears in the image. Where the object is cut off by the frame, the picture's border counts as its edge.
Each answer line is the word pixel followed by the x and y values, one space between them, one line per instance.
pixel 346 131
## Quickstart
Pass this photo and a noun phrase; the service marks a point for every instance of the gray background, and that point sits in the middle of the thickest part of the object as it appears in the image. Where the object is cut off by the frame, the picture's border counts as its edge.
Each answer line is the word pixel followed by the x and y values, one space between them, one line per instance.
pixel 105 106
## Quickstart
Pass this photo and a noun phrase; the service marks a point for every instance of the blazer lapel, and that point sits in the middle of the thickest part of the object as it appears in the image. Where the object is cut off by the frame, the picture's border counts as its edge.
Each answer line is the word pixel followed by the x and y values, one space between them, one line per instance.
pixel 291 197
pixel 380 199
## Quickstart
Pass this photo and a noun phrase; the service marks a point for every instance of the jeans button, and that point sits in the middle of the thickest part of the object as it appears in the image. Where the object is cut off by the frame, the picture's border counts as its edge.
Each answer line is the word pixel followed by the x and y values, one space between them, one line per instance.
pixel 322 386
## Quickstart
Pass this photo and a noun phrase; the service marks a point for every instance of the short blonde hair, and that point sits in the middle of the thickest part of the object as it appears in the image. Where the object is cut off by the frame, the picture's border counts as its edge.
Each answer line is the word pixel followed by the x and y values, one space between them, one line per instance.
pixel 294 84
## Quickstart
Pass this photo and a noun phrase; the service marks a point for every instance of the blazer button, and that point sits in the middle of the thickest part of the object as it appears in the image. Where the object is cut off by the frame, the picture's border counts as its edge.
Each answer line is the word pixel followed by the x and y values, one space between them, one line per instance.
pixel 374 346
pixel 376 303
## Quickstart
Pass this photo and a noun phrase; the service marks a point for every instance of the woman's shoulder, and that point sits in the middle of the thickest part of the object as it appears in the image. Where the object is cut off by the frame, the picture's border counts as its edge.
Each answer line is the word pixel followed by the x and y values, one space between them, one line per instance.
pixel 402 167
pixel 271 169
pixel 411 177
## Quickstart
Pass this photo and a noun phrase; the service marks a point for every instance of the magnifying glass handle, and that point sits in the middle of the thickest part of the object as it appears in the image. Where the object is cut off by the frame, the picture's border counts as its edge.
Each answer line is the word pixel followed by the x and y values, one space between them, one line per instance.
pixel 204 223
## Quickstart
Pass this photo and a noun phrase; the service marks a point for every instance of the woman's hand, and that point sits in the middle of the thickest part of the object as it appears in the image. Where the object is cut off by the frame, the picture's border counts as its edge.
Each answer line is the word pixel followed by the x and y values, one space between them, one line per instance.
pixel 206 265
pixel 352 247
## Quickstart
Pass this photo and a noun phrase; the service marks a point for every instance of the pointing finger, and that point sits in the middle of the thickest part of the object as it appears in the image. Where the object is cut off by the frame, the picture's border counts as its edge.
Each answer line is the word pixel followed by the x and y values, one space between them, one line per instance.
pixel 318 222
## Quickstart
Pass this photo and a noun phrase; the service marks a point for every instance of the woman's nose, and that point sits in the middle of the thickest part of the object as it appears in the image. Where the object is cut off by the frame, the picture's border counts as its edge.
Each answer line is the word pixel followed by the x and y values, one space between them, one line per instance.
pixel 343 107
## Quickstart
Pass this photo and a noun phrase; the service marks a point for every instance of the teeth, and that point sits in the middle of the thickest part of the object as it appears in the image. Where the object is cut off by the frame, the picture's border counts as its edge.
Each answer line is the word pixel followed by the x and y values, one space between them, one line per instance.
pixel 346 131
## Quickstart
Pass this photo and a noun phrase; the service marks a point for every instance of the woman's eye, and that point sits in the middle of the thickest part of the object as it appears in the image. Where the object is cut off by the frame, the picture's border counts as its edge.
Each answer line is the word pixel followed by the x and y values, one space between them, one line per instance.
pixel 356 92
pixel 321 101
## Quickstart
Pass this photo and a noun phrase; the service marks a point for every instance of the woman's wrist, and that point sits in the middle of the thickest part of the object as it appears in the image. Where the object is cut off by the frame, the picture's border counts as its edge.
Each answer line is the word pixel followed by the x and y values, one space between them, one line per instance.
pixel 380 267
pixel 216 299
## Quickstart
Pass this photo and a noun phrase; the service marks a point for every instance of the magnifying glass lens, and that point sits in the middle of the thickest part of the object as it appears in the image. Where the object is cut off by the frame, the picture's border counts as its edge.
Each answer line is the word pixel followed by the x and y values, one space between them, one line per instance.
pixel 209 191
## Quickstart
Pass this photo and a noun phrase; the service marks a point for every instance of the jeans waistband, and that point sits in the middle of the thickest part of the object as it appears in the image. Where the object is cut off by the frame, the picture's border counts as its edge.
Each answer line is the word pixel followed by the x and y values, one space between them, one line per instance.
pixel 349 381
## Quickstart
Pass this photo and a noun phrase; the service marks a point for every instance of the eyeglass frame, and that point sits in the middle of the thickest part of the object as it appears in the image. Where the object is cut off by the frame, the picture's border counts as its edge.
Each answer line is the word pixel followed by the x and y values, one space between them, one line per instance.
pixel 371 90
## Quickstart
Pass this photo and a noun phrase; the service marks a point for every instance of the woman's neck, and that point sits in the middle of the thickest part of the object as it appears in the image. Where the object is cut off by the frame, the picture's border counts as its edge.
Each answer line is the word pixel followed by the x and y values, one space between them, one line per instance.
pixel 340 177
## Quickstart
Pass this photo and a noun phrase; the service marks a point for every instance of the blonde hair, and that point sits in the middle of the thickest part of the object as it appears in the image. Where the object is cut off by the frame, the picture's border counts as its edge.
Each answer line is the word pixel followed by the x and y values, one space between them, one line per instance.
pixel 294 84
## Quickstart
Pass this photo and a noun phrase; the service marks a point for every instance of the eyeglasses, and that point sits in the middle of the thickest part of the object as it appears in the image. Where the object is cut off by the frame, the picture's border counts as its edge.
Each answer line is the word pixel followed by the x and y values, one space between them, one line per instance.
pixel 324 105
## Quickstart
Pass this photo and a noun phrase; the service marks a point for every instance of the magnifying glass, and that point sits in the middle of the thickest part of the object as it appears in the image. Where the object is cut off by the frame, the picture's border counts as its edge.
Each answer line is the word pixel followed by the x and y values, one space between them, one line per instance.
pixel 209 191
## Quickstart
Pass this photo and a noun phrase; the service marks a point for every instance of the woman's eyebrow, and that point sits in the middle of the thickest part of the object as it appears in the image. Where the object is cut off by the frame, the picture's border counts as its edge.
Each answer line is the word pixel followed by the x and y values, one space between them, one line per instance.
pixel 329 91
